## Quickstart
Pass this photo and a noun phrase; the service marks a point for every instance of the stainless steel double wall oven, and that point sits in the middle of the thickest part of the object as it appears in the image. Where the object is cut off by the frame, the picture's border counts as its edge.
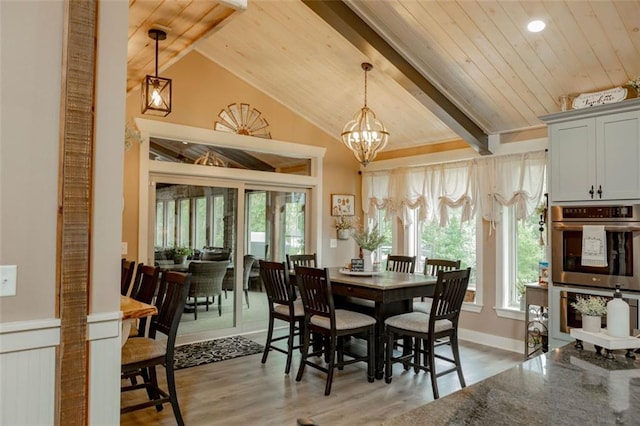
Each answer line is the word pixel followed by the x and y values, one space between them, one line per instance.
pixel 571 278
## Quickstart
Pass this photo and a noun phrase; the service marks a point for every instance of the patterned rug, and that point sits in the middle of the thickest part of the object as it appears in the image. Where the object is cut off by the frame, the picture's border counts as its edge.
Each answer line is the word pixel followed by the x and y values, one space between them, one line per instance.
pixel 215 350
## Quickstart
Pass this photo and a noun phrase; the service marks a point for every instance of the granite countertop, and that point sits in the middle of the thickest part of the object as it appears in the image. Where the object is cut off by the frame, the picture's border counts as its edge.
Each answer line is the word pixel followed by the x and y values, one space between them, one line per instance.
pixel 562 387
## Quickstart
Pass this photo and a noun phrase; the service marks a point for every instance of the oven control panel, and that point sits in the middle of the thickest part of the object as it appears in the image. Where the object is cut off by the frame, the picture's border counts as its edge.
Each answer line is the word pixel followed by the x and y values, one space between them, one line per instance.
pixel 574 213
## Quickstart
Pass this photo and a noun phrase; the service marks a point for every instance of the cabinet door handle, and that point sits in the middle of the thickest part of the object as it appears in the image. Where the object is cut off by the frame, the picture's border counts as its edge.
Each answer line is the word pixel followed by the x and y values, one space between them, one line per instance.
pixel 591 191
pixel 600 191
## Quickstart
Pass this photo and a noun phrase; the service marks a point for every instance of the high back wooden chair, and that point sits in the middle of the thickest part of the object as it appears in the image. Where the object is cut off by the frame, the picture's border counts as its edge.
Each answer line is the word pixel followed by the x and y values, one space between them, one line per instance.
pixel 283 305
pixel 321 317
pixel 144 354
pixel 431 267
pixel 144 289
pixel 308 260
pixel 127 269
pixel 439 327
pixel 405 264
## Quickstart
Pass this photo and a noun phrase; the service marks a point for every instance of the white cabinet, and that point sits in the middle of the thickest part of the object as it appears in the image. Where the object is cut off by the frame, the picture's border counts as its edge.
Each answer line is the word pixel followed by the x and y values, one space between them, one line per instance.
pixel 595 153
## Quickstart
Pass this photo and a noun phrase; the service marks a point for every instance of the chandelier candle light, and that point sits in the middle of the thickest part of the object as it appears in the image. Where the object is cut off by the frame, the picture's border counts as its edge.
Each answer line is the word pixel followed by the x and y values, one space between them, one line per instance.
pixel 365 135
pixel 156 91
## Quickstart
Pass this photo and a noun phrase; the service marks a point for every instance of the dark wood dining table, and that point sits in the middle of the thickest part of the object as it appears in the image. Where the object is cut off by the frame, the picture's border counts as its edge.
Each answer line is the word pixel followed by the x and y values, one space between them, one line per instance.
pixel 392 293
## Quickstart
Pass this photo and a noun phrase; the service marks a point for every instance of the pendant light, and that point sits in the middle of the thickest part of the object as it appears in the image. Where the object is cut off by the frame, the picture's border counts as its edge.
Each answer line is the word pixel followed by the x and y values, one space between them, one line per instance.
pixel 156 91
pixel 365 135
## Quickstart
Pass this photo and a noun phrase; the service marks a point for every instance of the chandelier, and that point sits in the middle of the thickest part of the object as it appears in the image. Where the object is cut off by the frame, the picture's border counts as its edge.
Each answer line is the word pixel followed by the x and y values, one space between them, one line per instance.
pixel 365 135
pixel 156 91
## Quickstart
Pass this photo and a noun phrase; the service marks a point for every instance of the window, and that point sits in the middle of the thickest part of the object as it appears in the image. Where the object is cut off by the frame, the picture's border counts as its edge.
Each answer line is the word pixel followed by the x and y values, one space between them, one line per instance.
pixel 455 241
pixel 519 253
pixel 200 231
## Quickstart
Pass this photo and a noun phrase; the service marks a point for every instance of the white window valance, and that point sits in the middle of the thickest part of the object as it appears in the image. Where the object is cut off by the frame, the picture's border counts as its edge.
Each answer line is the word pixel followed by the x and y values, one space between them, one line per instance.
pixel 477 186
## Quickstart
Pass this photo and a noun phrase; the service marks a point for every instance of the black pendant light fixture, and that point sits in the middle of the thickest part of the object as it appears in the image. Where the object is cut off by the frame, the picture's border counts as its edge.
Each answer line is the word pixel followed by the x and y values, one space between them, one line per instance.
pixel 156 91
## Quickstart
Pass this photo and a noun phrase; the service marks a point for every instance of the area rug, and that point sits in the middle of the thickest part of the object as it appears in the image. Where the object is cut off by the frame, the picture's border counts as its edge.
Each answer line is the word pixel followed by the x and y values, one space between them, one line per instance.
pixel 215 350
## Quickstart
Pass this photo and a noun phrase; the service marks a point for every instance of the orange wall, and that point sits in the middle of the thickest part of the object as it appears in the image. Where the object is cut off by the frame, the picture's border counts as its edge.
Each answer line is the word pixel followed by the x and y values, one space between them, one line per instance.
pixel 201 89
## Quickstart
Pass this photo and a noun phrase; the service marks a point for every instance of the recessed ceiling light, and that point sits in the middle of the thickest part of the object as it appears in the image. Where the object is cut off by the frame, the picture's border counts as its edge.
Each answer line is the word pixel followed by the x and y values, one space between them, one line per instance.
pixel 536 26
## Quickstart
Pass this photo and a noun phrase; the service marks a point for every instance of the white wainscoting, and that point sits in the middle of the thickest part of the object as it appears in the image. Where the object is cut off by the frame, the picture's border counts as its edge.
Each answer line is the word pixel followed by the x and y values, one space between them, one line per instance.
pixel 28 372
pixel 104 368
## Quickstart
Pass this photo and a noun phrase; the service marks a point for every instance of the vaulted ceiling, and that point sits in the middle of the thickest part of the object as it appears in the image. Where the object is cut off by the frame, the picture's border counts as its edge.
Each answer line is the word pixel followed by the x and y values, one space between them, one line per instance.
pixel 444 71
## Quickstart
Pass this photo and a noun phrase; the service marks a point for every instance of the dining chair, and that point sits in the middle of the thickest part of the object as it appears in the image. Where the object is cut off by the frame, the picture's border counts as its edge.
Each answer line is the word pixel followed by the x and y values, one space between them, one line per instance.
pixel 284 306
pixel 228 284
pixel 127 269
pixel 143 290
pixel 206 281
pixel 144 354
pixel 321 318
pixel 437 328
pixel 431 267
pixel 405 264
pixel 308 260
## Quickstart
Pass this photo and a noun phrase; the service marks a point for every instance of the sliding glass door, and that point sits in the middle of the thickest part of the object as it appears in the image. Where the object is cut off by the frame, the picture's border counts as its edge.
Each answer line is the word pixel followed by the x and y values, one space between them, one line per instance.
pixel 237 225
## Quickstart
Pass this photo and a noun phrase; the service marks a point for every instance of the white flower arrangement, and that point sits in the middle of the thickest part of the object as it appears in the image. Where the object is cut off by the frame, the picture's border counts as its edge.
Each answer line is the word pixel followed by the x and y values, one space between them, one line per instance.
pixel 635 83
pixel 591 305
pixel 345 222
pixel 369 239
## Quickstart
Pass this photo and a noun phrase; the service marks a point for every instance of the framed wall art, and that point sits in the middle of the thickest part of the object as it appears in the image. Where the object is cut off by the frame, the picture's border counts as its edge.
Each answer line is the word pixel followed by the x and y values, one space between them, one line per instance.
pixel 343 205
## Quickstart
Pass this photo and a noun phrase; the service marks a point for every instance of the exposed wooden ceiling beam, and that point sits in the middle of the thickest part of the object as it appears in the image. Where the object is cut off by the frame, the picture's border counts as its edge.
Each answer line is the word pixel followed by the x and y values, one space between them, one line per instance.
pixel 363 37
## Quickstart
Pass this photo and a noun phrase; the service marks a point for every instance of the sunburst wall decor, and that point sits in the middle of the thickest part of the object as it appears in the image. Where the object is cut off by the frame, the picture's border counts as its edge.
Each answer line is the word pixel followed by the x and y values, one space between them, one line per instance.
pixel 243 120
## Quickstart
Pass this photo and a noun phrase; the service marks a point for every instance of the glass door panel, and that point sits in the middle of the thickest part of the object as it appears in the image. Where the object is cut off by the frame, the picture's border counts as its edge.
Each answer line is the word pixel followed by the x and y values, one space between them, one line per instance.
pixel 203 219
pixel 275 226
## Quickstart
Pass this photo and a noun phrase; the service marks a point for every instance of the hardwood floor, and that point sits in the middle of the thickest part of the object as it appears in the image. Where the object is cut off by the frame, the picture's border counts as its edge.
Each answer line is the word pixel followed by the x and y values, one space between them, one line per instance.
pixel 243 391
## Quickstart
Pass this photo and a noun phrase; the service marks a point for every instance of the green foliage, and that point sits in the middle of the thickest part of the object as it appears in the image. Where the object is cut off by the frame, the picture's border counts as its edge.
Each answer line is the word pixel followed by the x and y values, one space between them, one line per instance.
pixel 181 251
pixel 369 239
pixel 591 305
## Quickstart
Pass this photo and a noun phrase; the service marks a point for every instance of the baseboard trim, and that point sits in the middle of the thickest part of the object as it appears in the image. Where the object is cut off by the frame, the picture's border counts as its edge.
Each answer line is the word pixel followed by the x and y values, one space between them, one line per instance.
pixel 504 343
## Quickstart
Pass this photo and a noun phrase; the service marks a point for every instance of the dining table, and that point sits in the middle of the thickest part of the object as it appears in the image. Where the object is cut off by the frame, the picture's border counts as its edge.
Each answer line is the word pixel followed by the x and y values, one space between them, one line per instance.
pixel 382 294
pixel 133 309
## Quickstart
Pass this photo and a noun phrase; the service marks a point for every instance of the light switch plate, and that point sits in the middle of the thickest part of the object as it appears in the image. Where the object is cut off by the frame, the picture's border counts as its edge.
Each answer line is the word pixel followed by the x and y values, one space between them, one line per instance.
pixel 333 243
pixel 8 277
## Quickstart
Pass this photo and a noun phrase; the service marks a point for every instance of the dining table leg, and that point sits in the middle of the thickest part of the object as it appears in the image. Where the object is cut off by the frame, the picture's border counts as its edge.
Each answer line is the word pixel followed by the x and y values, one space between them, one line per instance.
pixel 382 312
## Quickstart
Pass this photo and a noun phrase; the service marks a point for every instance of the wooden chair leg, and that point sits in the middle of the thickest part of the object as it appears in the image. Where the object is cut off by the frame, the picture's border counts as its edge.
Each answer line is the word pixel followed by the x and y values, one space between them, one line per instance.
pixel 416 355
pixel 432 369
pixel 388 370
pixel 173 397
pixel 305 354
pixel 153 380
pixel 371 350
pixel 456 358
pixel 195 308
pixel 292 332
pixel 267 345
pixel 332 365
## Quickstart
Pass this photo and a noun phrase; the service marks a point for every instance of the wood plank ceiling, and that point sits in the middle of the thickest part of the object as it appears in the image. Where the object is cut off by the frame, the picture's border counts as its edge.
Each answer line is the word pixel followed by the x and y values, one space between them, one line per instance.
pixel 477 53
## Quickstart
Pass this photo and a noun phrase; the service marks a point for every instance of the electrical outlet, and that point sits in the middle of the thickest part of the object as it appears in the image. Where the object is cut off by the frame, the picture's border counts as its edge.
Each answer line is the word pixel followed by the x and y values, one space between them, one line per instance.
pixel 333 243
pixel 8 276
pixel 124 249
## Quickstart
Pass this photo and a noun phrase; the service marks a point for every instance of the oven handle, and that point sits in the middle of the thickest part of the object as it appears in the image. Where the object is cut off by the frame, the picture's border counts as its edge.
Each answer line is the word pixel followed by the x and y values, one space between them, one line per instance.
pixel 611 228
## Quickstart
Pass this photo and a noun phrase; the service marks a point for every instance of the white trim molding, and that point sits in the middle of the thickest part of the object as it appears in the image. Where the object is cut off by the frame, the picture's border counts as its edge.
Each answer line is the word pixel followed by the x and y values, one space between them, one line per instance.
pixel 497 342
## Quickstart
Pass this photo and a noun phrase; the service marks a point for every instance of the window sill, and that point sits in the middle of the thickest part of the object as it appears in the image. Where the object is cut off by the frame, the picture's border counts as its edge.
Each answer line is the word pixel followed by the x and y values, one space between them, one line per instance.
pixel 511 313
pixel 472 307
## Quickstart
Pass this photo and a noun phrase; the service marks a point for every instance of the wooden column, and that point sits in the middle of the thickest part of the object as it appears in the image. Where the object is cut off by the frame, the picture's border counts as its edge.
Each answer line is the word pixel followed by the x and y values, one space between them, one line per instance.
pixel 74 207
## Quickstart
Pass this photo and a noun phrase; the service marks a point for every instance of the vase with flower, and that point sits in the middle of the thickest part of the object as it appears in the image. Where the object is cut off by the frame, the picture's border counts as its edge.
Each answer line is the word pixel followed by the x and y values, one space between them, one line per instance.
pixel 592 308
pixel 369 239
pixel 343 226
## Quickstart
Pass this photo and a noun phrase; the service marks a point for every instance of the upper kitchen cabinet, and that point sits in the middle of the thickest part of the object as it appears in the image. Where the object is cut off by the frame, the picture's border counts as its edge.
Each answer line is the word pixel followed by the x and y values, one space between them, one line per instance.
pixel 595 153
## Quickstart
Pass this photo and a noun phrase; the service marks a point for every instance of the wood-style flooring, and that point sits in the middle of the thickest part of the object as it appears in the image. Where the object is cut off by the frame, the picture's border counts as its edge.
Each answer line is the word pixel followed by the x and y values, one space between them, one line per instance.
pixel 243 391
